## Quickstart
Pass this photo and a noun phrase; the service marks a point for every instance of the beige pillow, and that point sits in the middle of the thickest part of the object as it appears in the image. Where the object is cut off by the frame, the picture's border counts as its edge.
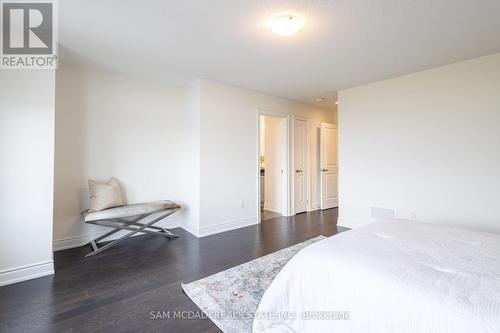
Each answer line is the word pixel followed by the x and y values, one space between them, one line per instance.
pixel 105 195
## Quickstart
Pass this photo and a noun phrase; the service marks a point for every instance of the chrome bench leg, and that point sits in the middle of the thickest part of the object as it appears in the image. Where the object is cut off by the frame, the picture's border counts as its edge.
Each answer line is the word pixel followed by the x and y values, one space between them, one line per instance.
pixel 134 225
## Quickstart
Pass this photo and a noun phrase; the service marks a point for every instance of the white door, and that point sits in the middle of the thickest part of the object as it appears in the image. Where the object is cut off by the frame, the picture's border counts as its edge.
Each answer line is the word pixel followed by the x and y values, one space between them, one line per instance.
pixel 329 166
pixel 275 138
pixel 300 165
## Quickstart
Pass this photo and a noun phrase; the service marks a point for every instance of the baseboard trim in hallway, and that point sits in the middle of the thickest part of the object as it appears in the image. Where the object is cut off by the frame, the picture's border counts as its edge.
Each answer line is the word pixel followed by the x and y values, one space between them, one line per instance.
pixel 28 272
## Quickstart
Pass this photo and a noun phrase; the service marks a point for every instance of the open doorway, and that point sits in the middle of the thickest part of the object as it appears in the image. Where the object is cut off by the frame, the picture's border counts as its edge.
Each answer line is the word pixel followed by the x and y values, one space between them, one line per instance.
pixel 273 166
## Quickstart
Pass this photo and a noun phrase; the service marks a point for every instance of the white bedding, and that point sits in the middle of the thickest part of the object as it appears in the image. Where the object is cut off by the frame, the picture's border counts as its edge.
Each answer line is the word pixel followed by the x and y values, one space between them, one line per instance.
pixel 390 276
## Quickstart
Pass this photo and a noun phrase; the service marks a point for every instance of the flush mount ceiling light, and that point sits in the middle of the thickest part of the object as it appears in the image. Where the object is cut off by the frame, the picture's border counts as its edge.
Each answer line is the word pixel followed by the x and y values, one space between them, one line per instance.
pixel 320 100
pixel 285 24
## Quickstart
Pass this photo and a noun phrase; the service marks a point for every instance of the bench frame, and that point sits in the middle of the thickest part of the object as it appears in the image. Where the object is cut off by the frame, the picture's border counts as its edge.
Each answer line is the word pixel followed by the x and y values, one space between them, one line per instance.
pixel 134 225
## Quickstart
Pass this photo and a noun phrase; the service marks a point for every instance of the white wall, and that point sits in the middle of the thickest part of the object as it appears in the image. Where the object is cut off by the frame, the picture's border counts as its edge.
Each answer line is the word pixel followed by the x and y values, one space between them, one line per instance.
pixel 109 125
pixel 262 137
pixel 191 163
pixel 228 152
pixel 275 161
pixel 26 173
pixel 426 144
pixel 196 145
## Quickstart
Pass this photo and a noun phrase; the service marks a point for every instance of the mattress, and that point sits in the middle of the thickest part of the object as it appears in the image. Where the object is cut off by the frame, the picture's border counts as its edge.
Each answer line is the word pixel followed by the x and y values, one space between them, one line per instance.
pixel 388 276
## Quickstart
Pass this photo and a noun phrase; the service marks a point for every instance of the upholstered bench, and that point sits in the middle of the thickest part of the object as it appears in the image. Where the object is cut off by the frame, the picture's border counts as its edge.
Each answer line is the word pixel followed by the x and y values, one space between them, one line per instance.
pixel 134 217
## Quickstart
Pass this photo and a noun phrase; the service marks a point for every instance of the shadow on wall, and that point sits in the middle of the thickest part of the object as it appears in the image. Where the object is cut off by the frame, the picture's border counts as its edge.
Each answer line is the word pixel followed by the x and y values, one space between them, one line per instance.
pixel 108 124
pixel 70 156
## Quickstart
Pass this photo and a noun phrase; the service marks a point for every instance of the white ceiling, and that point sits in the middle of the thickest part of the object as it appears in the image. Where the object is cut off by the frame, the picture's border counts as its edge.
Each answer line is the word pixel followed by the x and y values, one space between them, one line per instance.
pixel 343 43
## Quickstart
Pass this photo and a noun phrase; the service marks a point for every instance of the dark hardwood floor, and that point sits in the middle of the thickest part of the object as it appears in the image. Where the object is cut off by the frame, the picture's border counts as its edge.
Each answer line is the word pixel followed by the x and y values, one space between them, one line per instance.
pixel 268 215
pixel 115 291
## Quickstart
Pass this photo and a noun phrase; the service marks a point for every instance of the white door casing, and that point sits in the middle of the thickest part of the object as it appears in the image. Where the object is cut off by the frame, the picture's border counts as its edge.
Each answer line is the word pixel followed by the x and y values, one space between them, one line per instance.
pixel 328 166
pixel 283 126
pixel 300 169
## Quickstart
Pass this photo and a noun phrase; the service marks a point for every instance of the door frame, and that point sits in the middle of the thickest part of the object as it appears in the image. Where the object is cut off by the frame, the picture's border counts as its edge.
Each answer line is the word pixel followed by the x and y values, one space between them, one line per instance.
pixel 271 113
pixel 308 163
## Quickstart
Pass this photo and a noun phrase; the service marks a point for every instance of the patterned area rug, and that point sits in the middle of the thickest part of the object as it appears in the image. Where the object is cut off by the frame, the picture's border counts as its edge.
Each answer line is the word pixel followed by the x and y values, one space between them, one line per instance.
pixel 231 297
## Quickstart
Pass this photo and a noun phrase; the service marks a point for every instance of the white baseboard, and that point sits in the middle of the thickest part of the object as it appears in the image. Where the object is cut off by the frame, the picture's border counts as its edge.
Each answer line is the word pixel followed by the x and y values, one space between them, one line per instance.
pixel 81 240
pixel 227 226
pixel 191 229
pixel 272 207
pixel 26 273
pixel 342 222
pixel 71 242
pixel 77 241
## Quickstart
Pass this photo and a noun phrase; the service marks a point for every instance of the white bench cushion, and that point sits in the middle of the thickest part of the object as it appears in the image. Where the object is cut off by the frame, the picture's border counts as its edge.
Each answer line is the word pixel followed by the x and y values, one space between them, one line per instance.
pixel 130 210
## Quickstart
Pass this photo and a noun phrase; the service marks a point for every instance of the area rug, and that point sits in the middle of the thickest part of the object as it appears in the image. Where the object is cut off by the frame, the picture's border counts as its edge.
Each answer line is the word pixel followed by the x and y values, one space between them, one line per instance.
pixel 230 298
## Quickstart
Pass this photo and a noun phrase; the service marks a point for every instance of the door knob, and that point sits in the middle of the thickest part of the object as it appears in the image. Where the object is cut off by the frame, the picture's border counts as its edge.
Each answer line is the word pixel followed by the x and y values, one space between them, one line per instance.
pixel 298 171
pixel 324 170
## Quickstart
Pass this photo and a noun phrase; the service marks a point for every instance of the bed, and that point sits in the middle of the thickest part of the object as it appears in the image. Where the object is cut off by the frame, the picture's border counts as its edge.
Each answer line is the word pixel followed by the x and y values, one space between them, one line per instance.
pixel 388 276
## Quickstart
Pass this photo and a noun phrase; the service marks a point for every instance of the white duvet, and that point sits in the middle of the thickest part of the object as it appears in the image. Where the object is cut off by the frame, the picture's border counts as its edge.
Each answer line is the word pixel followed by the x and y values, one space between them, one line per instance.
pixel 390 276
